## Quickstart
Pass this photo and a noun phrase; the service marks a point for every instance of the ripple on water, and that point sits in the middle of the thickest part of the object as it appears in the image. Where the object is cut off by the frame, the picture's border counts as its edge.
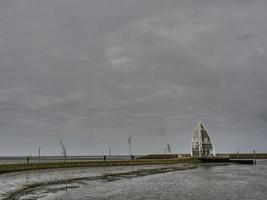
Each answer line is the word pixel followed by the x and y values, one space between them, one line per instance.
pixel 218 182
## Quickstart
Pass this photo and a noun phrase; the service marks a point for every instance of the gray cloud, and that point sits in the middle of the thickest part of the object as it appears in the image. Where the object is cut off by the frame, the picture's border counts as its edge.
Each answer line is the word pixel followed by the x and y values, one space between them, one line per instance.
pixel 95 72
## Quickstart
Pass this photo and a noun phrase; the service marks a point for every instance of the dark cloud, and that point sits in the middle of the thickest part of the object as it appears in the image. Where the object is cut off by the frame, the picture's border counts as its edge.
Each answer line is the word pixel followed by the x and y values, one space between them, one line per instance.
pixel 95 72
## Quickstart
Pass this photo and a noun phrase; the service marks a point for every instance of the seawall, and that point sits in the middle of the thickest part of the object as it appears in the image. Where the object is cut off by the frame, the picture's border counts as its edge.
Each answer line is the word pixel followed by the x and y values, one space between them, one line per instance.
pixel 7 168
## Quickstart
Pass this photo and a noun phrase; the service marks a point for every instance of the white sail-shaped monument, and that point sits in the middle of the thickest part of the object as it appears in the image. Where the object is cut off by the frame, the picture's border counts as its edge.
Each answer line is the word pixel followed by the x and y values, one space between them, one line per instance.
pixel 202 144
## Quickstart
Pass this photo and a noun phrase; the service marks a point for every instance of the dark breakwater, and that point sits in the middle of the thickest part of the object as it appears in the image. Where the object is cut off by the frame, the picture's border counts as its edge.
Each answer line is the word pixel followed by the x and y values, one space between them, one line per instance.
pixel 227 160
pixel 7 168
pixel 221 155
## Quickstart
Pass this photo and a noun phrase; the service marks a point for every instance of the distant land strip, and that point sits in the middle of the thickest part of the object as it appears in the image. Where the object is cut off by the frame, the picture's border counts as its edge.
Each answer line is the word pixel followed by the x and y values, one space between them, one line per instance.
pixel 221 155
pixel 141 160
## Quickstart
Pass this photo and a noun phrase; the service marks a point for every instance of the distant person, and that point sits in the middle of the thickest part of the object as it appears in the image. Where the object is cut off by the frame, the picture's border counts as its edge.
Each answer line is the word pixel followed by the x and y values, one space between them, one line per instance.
pixel 28 160
pixel 105 158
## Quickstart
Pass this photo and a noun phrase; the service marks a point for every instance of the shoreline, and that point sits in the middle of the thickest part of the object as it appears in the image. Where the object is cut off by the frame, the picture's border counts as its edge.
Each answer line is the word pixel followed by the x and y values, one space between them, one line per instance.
pixel 10 168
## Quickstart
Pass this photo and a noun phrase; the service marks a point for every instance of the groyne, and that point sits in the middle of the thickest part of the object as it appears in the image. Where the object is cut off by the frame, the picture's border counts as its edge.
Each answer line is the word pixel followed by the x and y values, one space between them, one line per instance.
pixel 148 160
pixel 7 168
pixel 221 155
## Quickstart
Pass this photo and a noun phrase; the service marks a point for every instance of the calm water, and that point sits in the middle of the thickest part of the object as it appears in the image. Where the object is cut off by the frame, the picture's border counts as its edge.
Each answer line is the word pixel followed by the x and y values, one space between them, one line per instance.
pixel 206 182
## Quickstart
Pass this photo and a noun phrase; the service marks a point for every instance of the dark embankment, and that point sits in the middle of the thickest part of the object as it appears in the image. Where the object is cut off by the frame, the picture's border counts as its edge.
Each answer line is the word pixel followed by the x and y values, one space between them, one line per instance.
pixel 248 156
pixel 227 160
pixel 228 155
pixel 214 160
pixel 164 156
pixel 144 160
pixel 6 168
pixel 202 159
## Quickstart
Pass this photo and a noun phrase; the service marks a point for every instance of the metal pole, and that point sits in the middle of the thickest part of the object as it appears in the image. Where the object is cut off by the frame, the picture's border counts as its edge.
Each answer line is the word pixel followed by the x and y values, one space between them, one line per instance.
pixel 130 148
pixel 39 154
pixel 28 160
pixel 254 157
pixel 199 139
pixel 64 152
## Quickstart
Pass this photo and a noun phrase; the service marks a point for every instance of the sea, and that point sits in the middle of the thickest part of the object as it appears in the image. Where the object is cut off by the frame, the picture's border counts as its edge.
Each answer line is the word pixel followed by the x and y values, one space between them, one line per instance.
pixel 206 182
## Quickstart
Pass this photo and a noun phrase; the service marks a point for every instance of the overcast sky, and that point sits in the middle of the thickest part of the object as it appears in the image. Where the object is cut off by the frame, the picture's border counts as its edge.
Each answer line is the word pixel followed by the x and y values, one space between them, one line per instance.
pixel 94 72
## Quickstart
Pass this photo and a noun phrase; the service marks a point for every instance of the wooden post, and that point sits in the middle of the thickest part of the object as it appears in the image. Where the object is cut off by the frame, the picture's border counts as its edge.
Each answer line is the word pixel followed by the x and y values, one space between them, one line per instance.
pixel 28 160
pixel 39 154
pixel 254 157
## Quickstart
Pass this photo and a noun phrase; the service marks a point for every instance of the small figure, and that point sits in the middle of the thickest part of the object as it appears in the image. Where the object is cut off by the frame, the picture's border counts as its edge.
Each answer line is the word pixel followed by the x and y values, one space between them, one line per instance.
pixel 28 160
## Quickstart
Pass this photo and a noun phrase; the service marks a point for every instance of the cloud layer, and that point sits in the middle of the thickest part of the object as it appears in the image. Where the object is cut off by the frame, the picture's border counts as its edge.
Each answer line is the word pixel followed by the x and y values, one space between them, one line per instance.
pixel 93 73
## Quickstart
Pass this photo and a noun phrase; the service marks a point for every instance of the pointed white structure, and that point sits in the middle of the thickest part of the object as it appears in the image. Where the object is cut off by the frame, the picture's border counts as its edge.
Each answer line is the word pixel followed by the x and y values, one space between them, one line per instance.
pixel 202 144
